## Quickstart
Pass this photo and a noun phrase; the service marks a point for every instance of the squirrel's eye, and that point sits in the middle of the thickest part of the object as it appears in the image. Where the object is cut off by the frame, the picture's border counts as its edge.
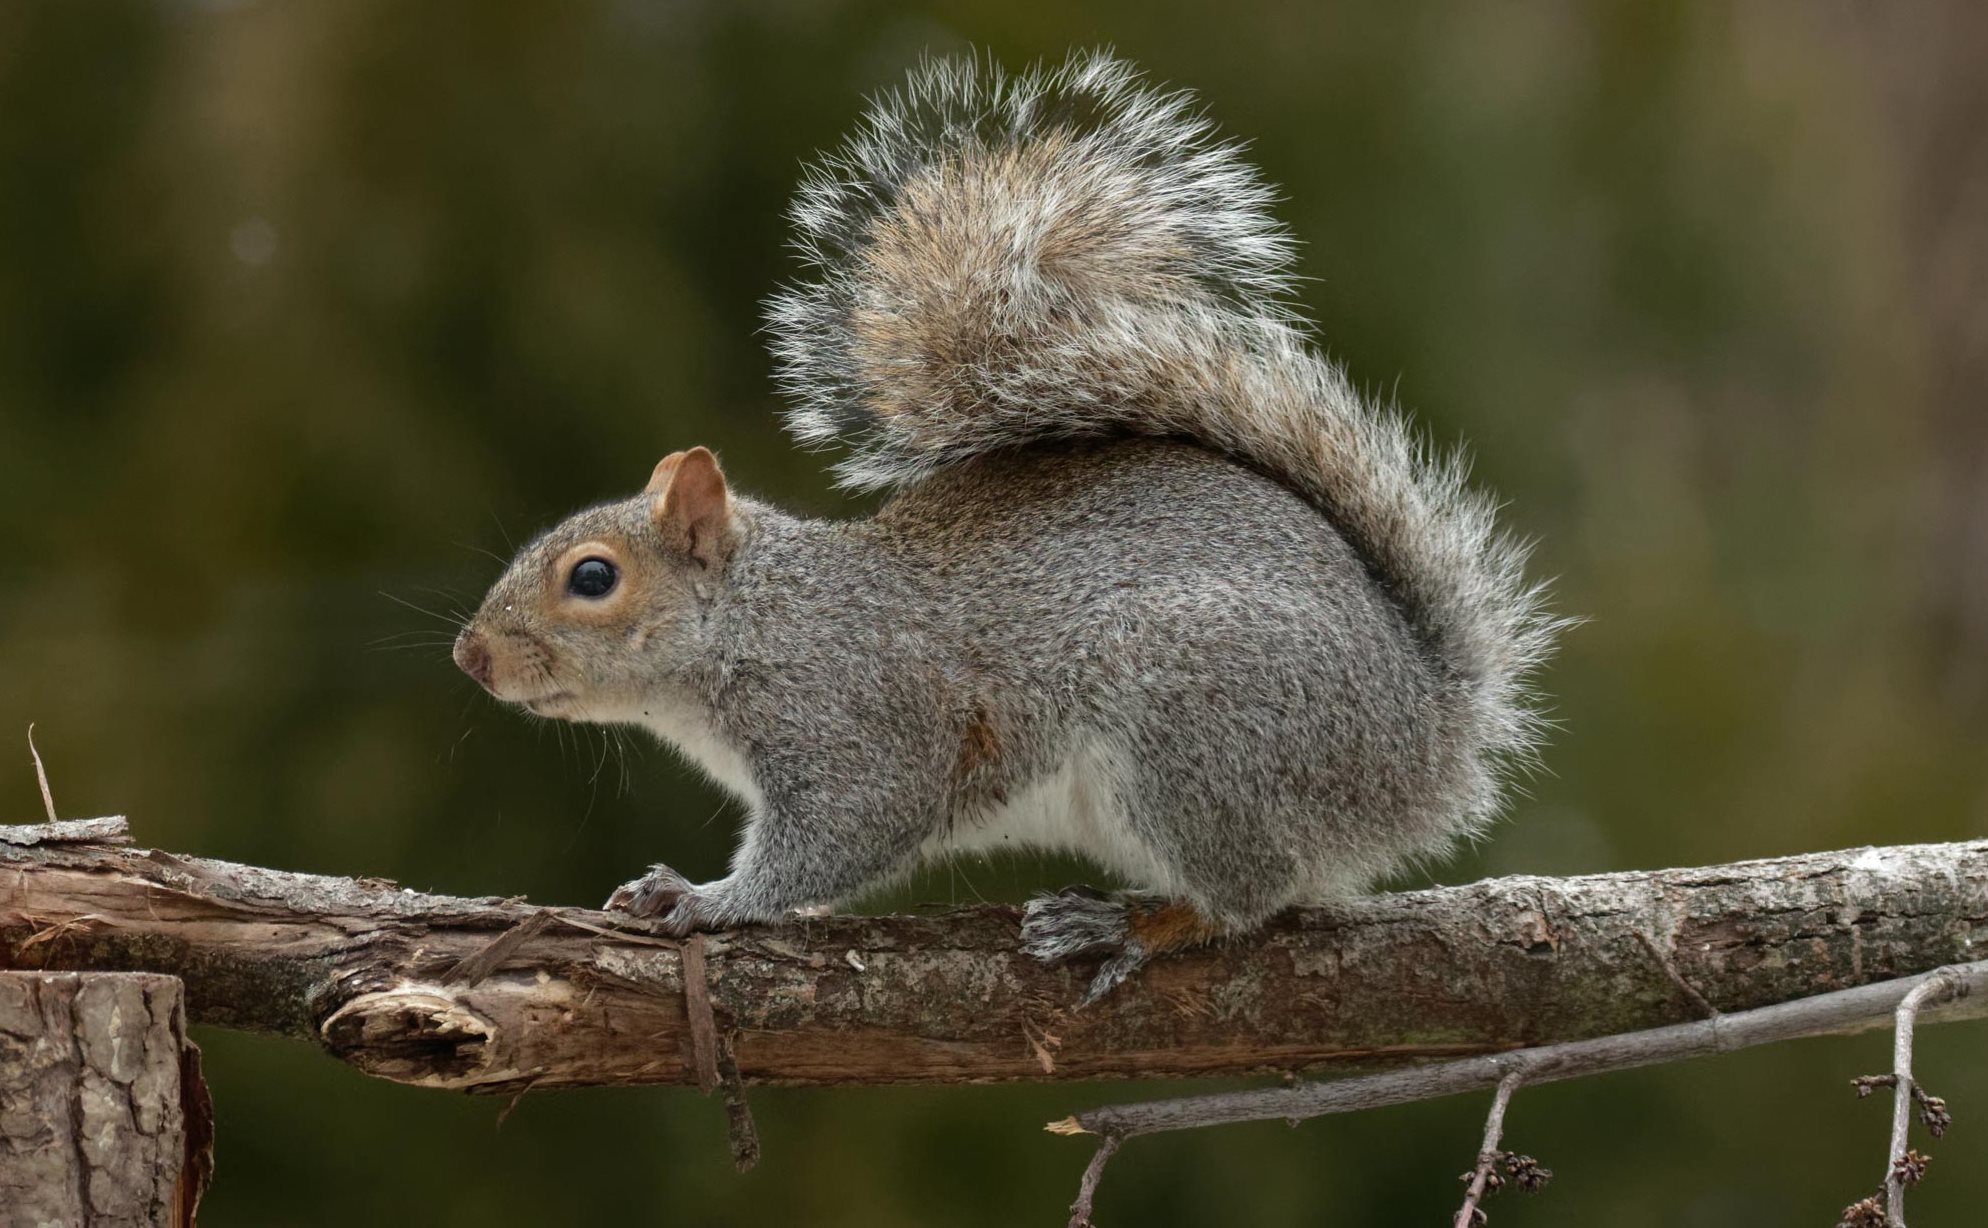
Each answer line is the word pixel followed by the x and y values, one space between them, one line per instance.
pixel 591 578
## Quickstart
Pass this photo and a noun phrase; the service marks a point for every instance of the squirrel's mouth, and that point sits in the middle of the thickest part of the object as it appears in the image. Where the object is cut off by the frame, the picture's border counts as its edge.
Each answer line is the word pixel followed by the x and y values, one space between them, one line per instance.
pixel 558 703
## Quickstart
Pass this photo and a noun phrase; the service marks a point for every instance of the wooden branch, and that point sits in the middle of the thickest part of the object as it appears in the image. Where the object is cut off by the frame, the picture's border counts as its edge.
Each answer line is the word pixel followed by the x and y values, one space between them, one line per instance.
pixel 1836 1013
pixel 363 968
pixel 1087 1190
pixel 1936 988
pixel 1841 1011
pixel 1481 1175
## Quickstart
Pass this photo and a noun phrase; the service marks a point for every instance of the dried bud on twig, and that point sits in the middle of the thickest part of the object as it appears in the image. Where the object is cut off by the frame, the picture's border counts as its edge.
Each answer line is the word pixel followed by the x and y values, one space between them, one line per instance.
pixel 1865 1214
pixel 1527 1173
pixel 1910 1167
pixel 1866 1084
pixel 1932 1111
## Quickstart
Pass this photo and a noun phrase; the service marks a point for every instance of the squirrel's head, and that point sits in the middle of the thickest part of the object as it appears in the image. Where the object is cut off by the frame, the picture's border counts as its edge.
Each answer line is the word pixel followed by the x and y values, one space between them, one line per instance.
pixel 592 616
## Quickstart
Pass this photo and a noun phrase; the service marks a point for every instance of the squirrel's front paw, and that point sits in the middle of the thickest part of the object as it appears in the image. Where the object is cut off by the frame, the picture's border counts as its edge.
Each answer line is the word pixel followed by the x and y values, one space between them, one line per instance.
pixel 658 891
pixel 697 909
pixel 678 905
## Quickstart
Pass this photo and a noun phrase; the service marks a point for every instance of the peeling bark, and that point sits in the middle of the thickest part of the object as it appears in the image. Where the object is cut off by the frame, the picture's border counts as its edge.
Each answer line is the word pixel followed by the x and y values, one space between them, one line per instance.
pixel 373 973
pixel 103 1115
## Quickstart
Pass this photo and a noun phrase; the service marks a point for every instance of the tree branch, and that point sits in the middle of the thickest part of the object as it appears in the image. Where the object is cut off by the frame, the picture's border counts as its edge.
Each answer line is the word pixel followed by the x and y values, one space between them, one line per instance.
pixel 1941 986
pixel 1842 1011
pixel 1845 1010
pixel 1087 1189
pixel 362 968
pixel 1468 1215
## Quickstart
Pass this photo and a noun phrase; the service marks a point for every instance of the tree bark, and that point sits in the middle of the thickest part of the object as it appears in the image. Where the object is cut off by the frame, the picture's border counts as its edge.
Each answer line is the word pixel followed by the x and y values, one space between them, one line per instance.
pixel 104 1119
pixel 377 975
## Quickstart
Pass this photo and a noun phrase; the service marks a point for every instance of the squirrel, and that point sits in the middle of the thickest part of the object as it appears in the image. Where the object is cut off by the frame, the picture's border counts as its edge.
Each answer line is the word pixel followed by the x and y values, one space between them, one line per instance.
pixel 1154 584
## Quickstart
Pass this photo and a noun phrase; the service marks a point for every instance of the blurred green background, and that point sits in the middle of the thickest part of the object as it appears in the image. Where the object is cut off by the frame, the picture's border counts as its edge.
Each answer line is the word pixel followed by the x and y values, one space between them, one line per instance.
pixel 306 306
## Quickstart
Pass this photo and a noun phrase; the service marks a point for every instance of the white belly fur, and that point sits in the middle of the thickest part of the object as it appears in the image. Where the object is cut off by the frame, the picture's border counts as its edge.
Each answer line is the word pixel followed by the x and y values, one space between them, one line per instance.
pixel 1074 809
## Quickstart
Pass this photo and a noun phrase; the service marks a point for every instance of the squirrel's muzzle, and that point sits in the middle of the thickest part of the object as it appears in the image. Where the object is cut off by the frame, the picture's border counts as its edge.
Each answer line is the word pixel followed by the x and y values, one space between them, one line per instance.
pixel 472 656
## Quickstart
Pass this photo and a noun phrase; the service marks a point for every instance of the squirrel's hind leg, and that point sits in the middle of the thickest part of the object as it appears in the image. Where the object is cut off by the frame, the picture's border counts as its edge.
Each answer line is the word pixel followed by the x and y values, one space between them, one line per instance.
pixel 1128 929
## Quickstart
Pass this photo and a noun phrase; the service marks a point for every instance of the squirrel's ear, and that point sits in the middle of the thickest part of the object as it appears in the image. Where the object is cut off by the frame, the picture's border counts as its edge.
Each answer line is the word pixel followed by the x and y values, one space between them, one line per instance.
pixel 659 477
pixel 691 506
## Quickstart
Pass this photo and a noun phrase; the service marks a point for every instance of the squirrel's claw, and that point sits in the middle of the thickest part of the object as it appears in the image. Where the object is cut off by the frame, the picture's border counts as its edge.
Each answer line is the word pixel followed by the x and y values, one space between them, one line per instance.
pixel 678 905
pixel 660 890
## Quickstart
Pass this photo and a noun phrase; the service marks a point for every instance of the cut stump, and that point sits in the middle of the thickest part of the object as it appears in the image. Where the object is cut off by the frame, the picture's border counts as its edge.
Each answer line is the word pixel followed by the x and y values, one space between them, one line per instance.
pixel 104 1117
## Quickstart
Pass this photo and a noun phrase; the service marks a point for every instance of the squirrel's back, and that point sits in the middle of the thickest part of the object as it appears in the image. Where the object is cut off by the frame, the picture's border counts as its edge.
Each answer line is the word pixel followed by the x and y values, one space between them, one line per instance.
pixel 1069 254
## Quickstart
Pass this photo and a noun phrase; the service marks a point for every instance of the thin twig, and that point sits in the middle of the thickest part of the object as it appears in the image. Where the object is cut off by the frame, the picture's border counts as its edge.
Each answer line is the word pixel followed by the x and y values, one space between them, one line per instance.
pixel 41 776
pixel 1845 1010
pixel 1937 986
pixel 712 1058
pixel 1087 1190
pixel 1487 1155
pixel 739 1129
pixel 504 1114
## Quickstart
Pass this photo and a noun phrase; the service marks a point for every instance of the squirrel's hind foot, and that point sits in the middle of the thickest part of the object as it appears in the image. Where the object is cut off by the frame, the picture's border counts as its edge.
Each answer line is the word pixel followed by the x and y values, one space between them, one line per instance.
pixel 1127 930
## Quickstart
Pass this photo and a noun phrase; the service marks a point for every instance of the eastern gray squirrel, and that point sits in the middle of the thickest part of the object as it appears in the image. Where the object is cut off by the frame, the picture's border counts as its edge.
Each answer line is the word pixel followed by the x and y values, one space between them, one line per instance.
pixel 1154 584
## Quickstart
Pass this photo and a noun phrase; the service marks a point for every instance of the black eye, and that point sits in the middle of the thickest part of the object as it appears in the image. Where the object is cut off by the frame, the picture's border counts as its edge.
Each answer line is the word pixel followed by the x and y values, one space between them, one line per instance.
pixel 591 578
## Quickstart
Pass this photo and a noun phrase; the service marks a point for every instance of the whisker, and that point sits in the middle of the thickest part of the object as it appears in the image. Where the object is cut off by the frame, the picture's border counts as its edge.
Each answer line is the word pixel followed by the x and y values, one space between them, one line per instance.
pixel 627 777
pixel 437 646
pixel 498 521
pixel 418 609
pixel 600 762
pixel 495 557
pixel 452 602
pixel 586 816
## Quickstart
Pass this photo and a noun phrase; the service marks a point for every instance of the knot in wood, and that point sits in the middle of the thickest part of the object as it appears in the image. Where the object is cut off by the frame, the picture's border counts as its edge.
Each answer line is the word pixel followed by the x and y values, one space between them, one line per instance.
pixel 412 1034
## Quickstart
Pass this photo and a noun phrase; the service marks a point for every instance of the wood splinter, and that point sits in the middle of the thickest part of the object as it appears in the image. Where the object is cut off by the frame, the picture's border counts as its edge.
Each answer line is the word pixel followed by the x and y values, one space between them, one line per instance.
pixel 712 1058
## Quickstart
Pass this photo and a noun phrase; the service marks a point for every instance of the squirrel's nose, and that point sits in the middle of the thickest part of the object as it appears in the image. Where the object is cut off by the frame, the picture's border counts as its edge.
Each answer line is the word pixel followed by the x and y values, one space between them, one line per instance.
pixel 473 656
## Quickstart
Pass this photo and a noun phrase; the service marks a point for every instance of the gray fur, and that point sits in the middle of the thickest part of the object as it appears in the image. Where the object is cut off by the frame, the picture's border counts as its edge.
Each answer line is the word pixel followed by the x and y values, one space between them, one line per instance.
pixel 1154 586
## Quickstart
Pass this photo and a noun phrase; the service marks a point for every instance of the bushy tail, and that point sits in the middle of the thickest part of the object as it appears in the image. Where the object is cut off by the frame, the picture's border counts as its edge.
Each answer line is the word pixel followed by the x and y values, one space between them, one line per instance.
pixel 1070 253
